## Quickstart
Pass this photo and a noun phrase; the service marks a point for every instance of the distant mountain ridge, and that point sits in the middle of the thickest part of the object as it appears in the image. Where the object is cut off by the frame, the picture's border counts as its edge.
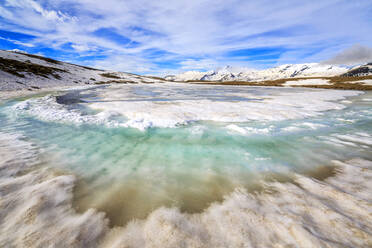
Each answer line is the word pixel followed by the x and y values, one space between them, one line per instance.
pixel 229 73
pixel 20 70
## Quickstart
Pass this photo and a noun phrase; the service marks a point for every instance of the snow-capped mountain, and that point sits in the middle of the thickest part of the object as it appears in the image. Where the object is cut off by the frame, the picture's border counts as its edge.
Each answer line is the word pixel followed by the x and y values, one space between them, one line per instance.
pixel 189 75
pixel 360 71
pixel 229 73
pixel 20 70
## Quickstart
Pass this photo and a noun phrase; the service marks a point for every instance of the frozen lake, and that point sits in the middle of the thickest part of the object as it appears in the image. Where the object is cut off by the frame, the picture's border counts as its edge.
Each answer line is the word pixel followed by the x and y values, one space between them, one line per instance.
pixel 135 148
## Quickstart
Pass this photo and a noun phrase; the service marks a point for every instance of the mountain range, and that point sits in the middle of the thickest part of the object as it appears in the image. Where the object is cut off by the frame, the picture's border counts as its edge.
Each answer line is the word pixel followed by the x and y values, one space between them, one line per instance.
pixel 229 73
pixel 19 70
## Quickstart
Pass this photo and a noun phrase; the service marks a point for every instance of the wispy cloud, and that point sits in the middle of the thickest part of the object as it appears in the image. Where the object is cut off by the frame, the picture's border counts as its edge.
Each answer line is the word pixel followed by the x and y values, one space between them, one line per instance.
pixel 183 35
pixel 17 42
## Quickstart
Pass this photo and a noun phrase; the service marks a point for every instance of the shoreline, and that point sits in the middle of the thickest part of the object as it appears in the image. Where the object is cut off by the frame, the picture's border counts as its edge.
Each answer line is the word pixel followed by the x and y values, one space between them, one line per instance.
pixel 337 83
pixel 9 94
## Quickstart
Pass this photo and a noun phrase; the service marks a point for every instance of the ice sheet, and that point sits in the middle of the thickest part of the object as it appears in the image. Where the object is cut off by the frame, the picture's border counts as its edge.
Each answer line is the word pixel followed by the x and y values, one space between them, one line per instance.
pixel 170 105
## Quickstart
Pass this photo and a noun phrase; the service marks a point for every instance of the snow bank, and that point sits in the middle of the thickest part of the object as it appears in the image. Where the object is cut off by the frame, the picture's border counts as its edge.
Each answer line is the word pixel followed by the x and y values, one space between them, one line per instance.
pixel 307 82
pixel 365 82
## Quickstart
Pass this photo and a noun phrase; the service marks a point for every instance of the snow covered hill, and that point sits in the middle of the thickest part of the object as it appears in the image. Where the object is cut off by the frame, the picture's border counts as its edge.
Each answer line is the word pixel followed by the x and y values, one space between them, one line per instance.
pixel 27 71
pixel 229 73
pixel 360 71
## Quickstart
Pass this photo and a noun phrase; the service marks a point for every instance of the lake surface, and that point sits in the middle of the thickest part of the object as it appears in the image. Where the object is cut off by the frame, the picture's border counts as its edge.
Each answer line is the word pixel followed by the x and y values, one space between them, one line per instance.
pixel 136 148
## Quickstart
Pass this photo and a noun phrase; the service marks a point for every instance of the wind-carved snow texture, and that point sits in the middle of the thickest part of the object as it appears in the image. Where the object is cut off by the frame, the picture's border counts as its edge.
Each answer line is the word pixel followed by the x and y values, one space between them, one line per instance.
pixel 36 211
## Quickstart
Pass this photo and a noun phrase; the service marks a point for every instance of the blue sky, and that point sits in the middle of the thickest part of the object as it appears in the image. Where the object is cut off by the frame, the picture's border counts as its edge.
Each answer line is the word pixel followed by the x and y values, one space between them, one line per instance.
pixel 165 37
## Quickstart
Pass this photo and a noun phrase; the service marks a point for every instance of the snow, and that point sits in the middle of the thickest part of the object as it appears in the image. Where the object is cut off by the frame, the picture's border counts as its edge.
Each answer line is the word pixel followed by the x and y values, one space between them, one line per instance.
pixel 365 82
pixel 74 75
pixel 246 74
pixel 248 130
pixel 281 105
pixel 37 211
pixel 189 75
pixel 307 82
pixel 177 104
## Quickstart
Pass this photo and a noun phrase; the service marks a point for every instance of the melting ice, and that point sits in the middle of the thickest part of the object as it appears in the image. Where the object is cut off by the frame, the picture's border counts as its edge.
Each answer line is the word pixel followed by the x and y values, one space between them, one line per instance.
pixel 193 149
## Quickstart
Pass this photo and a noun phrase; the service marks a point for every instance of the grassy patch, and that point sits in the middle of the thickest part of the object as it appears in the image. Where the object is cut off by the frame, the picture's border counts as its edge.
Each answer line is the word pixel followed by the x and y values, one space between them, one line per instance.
pixel 157 78
pixel 338 82
pixel 49 60
pixel 116 82
pixel 146 82
pixel 339 86
pixel 278 82
pixel 16 68
pixel 343 79
pixel 85 67
pixel 53 61
pixel 110 75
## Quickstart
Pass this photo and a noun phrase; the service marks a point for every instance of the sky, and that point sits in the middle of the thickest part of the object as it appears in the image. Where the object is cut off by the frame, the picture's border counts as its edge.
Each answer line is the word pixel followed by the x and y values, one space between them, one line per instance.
pixel 161 37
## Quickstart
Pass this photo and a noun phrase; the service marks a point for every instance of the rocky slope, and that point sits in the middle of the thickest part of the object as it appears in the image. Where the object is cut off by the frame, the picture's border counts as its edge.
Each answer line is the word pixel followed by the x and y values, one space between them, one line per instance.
pixel 28 71
pixel 360 71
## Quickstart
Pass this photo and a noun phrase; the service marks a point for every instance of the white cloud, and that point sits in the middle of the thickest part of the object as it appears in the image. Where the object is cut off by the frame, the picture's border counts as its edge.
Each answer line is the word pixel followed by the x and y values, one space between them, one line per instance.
pixel 356 54
pixel 124 63
pixel 35 6
pixel 6 14
pixel 204 64
pixel 83 47
pixel 25 44
pixel 202 29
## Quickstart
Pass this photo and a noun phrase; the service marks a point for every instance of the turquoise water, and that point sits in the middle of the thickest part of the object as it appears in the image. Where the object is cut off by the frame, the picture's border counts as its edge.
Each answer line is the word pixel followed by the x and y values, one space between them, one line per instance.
pixel 127 172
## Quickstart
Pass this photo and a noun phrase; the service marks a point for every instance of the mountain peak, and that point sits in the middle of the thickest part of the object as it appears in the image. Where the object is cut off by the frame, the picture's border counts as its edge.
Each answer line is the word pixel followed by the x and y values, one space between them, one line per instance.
pixel 230 73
